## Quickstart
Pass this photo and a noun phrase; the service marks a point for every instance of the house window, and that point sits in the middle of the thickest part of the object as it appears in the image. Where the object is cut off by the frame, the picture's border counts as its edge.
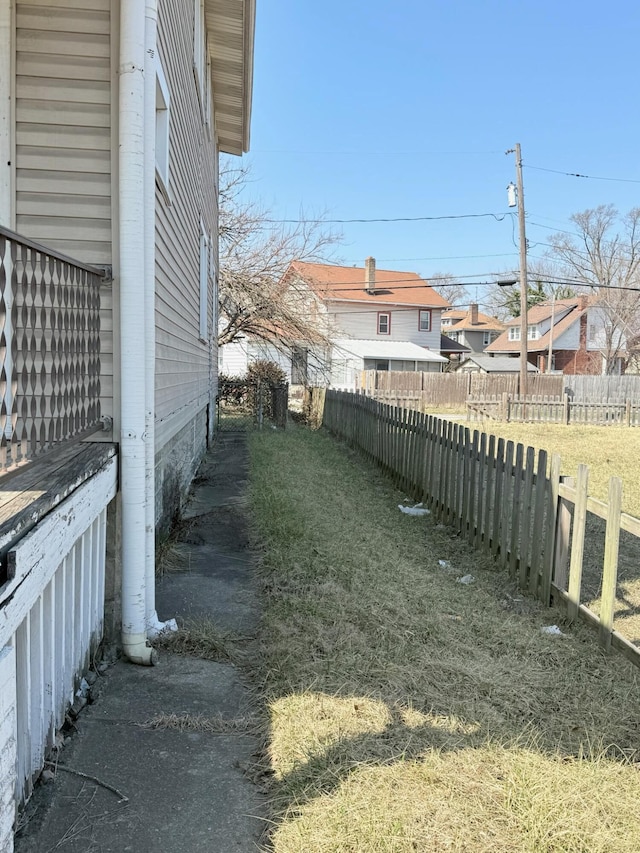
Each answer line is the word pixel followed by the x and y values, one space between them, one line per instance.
pixel 514 333
pixel 384 323
pixel 382 365
pixel 204 284
pixel 533 333
pixel 486 339
pixel 424 320
pixel 213 279
pixel 162 128
pixel 199 43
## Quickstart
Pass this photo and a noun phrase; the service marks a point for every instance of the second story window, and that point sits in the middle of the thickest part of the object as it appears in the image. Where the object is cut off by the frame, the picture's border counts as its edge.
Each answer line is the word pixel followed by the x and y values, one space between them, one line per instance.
pixel 486 339
pixel 384 323
pixel 424 320
pixel 514 333
pixel 162 128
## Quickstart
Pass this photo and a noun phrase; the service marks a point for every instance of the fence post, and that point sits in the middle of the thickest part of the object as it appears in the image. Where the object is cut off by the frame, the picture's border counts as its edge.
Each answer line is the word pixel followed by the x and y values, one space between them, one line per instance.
pixel 577 542
pixel 562 534
pixel 565 408
pixel 550 549
pixel 627 414
pixel 610 568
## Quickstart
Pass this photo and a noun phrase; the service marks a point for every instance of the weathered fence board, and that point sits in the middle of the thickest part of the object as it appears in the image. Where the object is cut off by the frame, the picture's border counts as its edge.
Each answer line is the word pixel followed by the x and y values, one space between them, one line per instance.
pixel 500 497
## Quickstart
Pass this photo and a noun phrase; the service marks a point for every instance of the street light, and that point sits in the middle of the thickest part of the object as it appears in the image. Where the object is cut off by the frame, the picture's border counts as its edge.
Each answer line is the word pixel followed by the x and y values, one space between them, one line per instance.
pixel 524 331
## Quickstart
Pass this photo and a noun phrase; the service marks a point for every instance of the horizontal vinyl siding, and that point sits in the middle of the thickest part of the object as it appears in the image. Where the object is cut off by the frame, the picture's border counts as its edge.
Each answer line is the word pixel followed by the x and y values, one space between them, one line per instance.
pixel 63 139
pixel 63 126
pixel 183 362
pixel 360 321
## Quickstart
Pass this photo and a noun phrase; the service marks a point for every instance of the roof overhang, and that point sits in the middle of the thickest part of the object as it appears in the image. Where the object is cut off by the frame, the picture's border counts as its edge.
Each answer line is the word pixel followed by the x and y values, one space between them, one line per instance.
pixel 401 350
pixel 231 32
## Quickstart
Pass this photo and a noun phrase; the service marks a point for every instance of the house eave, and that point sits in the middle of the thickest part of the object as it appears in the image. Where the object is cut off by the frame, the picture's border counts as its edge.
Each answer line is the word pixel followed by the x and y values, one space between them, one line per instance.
pixel 231 34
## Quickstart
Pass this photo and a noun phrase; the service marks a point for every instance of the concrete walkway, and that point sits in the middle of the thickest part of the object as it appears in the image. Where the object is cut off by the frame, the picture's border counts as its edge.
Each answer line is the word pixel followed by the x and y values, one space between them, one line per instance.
pixel 186 788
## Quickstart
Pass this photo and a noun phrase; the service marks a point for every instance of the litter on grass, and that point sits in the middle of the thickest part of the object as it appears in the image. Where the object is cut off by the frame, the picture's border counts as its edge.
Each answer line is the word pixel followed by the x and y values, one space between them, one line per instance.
pixel 418 509
pixel 553 630
pixel 444 564
pixel 466 579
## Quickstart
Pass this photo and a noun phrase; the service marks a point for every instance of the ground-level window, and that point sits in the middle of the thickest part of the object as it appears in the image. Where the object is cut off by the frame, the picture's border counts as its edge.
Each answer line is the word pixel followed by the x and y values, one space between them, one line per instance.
pixel 382 365
pixel 424 320
pixel 384 323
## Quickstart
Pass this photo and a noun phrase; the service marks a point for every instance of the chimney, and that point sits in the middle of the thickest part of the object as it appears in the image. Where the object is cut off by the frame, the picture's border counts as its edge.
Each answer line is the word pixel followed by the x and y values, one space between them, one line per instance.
pixel 583 302
pixel 370 275
pixel 473 313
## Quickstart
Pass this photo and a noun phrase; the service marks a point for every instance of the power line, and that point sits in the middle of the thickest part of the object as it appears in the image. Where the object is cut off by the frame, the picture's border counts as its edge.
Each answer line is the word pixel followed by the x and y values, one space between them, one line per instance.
pixel 499 217
pixel 441 258
pixel 580 175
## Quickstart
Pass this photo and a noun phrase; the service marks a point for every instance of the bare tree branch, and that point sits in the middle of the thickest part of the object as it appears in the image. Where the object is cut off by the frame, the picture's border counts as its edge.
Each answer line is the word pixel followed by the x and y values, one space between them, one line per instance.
pixel 254 255
pixel 606 256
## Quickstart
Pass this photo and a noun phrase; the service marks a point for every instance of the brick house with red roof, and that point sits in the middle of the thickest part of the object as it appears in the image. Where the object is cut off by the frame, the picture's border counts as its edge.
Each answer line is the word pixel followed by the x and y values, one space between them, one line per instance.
pixel 571 328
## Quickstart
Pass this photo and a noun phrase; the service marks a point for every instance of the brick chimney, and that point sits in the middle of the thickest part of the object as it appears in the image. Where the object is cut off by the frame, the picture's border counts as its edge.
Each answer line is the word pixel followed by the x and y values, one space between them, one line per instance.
pixel 473 313
pixel 583 302
pixel 370 275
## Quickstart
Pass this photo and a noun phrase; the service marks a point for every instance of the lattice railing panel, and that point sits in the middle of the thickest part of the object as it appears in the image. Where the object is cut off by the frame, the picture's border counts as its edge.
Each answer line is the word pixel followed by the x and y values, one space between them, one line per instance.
pixel 49 348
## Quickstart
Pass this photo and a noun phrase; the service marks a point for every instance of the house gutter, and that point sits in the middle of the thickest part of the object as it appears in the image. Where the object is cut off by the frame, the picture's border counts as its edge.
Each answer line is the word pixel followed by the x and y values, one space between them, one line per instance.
pixel 133 438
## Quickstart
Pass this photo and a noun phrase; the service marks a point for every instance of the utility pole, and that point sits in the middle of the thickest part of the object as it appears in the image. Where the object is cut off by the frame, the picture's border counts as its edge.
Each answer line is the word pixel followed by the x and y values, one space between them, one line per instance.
pixel 524 284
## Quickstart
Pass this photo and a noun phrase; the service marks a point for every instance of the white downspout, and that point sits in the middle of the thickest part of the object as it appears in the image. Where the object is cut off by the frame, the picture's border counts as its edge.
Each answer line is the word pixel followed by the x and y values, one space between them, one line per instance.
pixel 154 626
pixel 132 311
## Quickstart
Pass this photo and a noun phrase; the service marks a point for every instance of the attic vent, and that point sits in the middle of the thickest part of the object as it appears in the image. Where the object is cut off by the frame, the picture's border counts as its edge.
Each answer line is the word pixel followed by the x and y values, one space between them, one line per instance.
pixel 370 275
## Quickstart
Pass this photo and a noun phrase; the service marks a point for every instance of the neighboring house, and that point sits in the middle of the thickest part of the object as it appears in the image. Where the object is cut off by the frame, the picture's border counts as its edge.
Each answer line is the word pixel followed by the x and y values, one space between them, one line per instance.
pixel 472 328
pixel 573 330
pixel 489 364
pixel 302 364
pixel 452 350
pixel 112 117
pixel 368 320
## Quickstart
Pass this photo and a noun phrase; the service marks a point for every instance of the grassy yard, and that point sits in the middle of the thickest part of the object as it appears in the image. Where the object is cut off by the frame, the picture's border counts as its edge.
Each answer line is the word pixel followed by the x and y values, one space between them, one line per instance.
pixel 608 451
pixel 410 712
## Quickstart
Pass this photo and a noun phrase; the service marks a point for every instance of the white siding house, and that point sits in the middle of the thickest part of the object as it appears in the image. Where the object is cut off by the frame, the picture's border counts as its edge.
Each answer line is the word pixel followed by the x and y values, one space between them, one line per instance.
pixel 365 319
pixel 112 117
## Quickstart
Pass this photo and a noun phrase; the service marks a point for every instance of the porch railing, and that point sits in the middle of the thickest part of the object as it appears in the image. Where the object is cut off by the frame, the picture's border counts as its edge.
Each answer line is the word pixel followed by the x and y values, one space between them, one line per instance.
pixel 49 348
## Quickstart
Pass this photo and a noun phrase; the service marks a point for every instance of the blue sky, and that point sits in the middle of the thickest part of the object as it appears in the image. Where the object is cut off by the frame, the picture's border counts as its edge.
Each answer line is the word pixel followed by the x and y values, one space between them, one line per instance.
pixel 405 109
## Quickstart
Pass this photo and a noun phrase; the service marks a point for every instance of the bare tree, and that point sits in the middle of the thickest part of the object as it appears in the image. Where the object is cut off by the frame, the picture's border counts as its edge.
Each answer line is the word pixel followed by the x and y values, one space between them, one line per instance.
pixel 543 285
pixel 255 252
pixel 606 256
pixel 447 285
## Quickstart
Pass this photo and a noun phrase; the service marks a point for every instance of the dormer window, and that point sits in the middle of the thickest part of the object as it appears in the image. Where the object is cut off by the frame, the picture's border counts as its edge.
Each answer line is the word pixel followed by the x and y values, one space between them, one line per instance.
pixel 533 333
pixel 514 333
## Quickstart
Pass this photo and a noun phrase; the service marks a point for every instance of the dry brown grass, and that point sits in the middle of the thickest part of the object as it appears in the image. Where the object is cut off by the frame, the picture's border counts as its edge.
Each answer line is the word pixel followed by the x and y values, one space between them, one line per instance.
pixel 198 637
pixel 409 712
pixel 202 723
pixel 609 451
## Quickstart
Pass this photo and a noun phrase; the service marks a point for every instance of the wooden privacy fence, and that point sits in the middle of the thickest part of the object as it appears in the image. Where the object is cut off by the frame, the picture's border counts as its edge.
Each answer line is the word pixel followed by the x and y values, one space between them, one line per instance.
pixel 453 389
pixel 561 410
pixel 505 499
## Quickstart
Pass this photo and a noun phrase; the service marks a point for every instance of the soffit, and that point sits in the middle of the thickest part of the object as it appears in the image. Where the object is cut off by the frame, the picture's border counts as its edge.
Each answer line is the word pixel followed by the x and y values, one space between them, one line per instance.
pixel 231 32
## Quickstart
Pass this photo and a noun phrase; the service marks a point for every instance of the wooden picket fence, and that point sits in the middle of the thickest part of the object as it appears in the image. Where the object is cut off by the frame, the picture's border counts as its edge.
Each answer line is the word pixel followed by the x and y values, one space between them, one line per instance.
pixel 504 498
pixel 560 410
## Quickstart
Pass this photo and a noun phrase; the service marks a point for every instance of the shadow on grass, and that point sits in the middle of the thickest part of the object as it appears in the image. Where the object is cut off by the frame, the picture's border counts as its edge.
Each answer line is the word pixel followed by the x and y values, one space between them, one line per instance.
pixel 390 687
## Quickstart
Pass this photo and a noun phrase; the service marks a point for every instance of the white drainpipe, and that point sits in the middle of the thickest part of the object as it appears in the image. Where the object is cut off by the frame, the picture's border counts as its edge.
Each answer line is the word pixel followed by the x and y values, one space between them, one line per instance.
pixel 132 311
pixel 154 626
